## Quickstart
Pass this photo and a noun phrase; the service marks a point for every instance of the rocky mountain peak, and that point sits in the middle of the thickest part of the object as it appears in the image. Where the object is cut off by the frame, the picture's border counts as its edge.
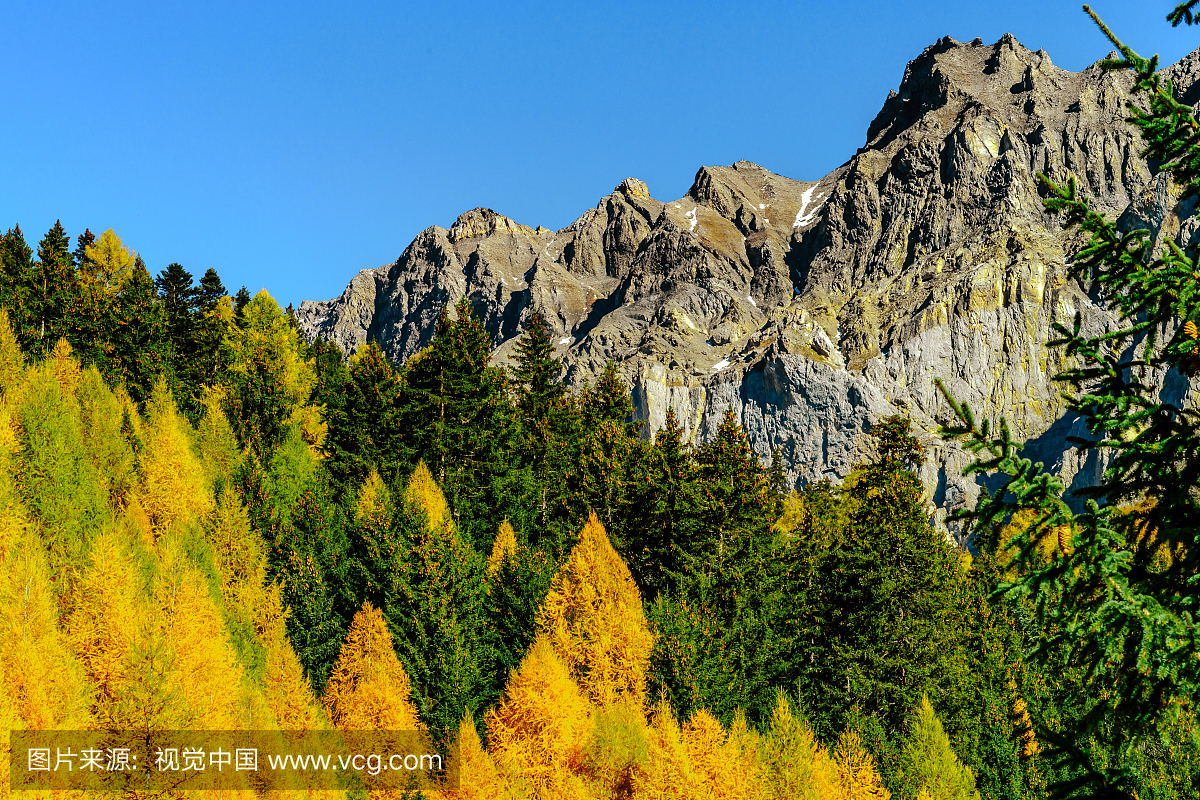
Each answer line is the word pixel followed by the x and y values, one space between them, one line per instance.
pixel 632 187
pixel 813 308
pixel 481 222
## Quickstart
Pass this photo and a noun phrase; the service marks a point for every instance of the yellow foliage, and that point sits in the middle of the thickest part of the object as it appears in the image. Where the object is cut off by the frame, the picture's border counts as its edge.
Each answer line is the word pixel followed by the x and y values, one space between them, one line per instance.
pixel 503 548
pixel 287 691
pixel 104 630
pixel 203 674
pixel 173 487
pixel 374 505
pixel 728 764
pixel 1050 541
pixel 310 421
pixel 423 492
pixel 539 728
pixel 368 688
pixel 12 360
pixel 478 778
pixel 593 618
pixel 668 775
pixel 929 767
pixel 800 767
pixel 1139 523
pixel 111 261
pixel 44 682
pixel 1023 727
pixel 858 777
pixel 66 368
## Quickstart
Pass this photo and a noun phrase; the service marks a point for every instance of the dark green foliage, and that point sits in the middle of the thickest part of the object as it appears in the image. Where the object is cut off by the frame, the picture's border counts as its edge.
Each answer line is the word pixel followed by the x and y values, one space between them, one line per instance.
pixel 141 349
pixel 17 285
pixel 1119 626
pixel 515 591
pixel 54 289
pixel 458 412
pixel 366 429
pixel 435 610
pixel 240 300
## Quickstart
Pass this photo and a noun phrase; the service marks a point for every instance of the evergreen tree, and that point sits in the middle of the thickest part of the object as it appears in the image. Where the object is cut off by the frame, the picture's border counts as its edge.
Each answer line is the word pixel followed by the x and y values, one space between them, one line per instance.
pixel 83 263
pixel 458 410
pixel 240 301
pixel 210 290
pixel 435 607
pixel 55 288
pixel 1127 627
pixel 366 429
pixel 656 550
pixel 17 286
pixel 890 585
pixel 141 346
pixel 549 420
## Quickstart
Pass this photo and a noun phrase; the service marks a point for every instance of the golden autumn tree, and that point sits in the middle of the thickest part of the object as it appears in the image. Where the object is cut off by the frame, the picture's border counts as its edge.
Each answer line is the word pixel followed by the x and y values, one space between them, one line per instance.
pixel 204 672
pixel 478 777
pixel 173 488
pixel 504 548
pixel 109 631
pixel 593 618
pixel 799 766
pixel 108 261
pixel 540 727
pixel 43 681
pixel 368 688
pixel 727 762
pixel 668 774
pixel 858 777
pixel 929 769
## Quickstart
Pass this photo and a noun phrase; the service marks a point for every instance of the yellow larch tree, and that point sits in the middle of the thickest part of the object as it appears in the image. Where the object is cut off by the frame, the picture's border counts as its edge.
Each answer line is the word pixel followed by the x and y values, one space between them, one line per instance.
pixel 424 493
pixel 12 360
pixel 478 778
pixel 858 777
pixel 728 763
pixel 108 260
pixel 668 774
pixel 173 488
pixel 105 630
pixel 593 618
pixel 42 679
pixel 102 420
pixel 204 671
pixel 368 688
pixel 928 766
pixel 800 767
pixel 65 368
pixel 503 548
pixel 539 728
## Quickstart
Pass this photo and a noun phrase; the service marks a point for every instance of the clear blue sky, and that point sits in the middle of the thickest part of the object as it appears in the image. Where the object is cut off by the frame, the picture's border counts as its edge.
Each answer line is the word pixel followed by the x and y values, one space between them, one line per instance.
pixel 291 144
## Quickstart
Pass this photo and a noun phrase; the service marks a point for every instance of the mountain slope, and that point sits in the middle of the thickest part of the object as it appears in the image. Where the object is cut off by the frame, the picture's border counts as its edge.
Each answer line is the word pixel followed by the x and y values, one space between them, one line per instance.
pixel 815 307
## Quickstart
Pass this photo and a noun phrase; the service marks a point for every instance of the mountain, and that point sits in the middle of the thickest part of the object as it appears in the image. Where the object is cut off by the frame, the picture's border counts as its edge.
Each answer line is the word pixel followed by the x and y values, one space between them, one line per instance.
pixel 814 308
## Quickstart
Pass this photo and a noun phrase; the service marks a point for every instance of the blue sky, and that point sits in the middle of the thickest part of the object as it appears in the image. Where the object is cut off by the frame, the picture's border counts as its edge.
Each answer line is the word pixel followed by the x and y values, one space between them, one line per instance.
pixel 289 145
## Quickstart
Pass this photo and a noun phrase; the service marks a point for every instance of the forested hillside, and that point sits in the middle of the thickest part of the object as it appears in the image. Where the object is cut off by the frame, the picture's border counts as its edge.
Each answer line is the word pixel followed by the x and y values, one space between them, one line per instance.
pixel 209 523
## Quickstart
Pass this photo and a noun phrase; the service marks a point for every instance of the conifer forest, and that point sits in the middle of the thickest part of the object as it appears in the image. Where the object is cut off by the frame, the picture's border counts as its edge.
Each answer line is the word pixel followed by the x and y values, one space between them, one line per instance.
pixel 209 522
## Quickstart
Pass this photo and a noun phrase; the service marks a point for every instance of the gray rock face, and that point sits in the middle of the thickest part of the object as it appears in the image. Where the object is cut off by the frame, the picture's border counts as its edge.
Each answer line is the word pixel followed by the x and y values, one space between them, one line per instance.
pixel 813 308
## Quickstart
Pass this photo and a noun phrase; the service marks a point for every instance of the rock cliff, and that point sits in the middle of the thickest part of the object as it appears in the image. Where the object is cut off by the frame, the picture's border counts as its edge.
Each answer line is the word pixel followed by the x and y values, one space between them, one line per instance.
pixel 815 307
